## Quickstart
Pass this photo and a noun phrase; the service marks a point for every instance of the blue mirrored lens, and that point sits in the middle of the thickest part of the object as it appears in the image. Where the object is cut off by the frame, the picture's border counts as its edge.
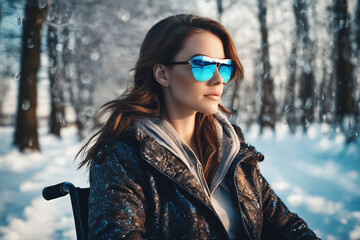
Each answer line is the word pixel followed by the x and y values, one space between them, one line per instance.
pixel 204 73
pixel 226 72
pixel 203 68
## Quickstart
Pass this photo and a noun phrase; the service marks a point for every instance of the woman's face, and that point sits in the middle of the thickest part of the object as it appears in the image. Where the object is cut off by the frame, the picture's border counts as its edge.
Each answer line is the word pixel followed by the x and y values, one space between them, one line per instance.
pixel 184 94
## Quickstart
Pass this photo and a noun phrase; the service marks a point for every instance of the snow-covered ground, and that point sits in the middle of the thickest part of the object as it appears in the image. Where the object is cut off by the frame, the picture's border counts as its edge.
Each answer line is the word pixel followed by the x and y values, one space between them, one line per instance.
pixel 316 176
pixel 24 213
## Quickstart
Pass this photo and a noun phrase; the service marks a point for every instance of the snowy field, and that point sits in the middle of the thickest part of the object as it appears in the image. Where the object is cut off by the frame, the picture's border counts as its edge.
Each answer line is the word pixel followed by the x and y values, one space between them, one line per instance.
pixel 316 176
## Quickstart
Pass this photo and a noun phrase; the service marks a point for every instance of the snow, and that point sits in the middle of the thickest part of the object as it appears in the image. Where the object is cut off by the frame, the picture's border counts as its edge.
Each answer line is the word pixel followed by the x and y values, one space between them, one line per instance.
pixel 316 176
pixel 25 214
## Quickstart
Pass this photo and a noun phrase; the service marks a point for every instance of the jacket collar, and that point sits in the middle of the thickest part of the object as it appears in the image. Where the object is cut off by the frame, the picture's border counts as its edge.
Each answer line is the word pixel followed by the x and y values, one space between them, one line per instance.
pixel 172 167
pixel 164 133
pixel 169 165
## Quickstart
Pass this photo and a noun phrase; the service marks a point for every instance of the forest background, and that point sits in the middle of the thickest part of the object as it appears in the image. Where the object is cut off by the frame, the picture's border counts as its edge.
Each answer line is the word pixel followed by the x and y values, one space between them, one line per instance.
pixel 301 59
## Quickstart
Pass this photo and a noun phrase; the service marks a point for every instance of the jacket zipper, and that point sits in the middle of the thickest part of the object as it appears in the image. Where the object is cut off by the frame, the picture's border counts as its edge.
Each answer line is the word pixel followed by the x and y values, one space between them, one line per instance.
pixel 205 205
pixel 202 178
pixel 245 155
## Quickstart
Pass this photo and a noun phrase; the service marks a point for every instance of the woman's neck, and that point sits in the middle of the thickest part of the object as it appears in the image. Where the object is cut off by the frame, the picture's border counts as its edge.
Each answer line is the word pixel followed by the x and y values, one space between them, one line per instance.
pixel 184 127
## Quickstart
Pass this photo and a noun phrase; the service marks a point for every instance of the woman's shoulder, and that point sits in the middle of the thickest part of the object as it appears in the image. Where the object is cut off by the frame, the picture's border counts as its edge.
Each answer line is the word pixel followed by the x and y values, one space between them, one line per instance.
pixel 239 132
pixel 119 157
pixel 248 150
pixel 122 148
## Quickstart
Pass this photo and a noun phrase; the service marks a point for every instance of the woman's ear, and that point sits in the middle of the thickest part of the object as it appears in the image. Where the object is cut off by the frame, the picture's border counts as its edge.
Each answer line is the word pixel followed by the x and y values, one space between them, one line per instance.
pixel 159 72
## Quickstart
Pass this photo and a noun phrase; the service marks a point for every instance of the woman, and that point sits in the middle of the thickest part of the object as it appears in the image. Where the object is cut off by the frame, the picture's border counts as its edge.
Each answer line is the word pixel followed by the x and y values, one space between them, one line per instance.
pixel 167 164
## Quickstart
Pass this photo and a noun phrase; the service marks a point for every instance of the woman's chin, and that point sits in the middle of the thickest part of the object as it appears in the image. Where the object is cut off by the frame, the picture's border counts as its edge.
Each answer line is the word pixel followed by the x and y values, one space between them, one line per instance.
pixel 209 110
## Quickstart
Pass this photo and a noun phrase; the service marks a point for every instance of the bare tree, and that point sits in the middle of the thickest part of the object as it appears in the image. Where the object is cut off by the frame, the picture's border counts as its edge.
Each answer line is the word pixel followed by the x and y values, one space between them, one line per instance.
pixel 83 100
pixel 357 51
pixel 26 123
pixel 289 106
pixel 57 114
pixel 267 115
pixel 304 64
pixel 2 85
pixel 220 9
pixel 327 93
pixel 58 19
pixel 343 65
pixel 325 100
pixel 8 50
pixel 357 29
pixel 300 72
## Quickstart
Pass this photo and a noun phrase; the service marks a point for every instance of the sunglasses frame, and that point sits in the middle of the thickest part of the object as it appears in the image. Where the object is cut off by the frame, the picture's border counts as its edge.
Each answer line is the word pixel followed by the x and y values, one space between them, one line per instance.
pixel 218 62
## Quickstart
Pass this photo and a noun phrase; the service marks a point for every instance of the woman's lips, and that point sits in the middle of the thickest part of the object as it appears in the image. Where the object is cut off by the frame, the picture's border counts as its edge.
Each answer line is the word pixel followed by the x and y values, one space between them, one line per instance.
pixel 213 96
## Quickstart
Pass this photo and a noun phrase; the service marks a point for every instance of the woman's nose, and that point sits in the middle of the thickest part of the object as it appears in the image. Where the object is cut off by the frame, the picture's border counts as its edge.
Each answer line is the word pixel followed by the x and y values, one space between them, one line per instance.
pixel 216 78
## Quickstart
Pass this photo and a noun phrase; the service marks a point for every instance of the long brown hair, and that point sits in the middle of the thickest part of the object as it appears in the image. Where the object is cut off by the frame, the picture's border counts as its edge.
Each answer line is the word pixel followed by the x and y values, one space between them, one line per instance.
pixel 145 97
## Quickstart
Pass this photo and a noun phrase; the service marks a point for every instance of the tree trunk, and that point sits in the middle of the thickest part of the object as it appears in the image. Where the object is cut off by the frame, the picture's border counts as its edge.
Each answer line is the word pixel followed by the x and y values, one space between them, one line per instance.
pixel 26 123
pixel 220 9
pixel 357 30
pixel 1 12
pixel 1 85
pixel 325 99
pixel 357 51
pixel 57 114
pixel 235 100
pixel 306 76
pixel 72 74
pixel 267 113
pixel 83 85
pixel 343 65
pixel 289 106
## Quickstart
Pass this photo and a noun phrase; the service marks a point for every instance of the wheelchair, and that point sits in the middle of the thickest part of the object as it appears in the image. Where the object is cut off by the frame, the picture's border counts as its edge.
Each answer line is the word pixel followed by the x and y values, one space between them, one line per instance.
pixel 79 202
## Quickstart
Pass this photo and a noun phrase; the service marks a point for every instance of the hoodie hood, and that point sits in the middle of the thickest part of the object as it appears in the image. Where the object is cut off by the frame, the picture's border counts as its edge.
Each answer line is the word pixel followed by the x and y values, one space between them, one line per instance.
pixel 164 133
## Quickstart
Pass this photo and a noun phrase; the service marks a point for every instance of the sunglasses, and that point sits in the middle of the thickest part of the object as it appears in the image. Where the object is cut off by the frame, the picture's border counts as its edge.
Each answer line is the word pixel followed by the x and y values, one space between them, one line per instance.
pixel 204 67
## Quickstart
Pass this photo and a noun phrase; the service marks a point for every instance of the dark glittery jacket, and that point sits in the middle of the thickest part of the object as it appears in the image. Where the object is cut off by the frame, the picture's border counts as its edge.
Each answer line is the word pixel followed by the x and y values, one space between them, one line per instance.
pixel 139 190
